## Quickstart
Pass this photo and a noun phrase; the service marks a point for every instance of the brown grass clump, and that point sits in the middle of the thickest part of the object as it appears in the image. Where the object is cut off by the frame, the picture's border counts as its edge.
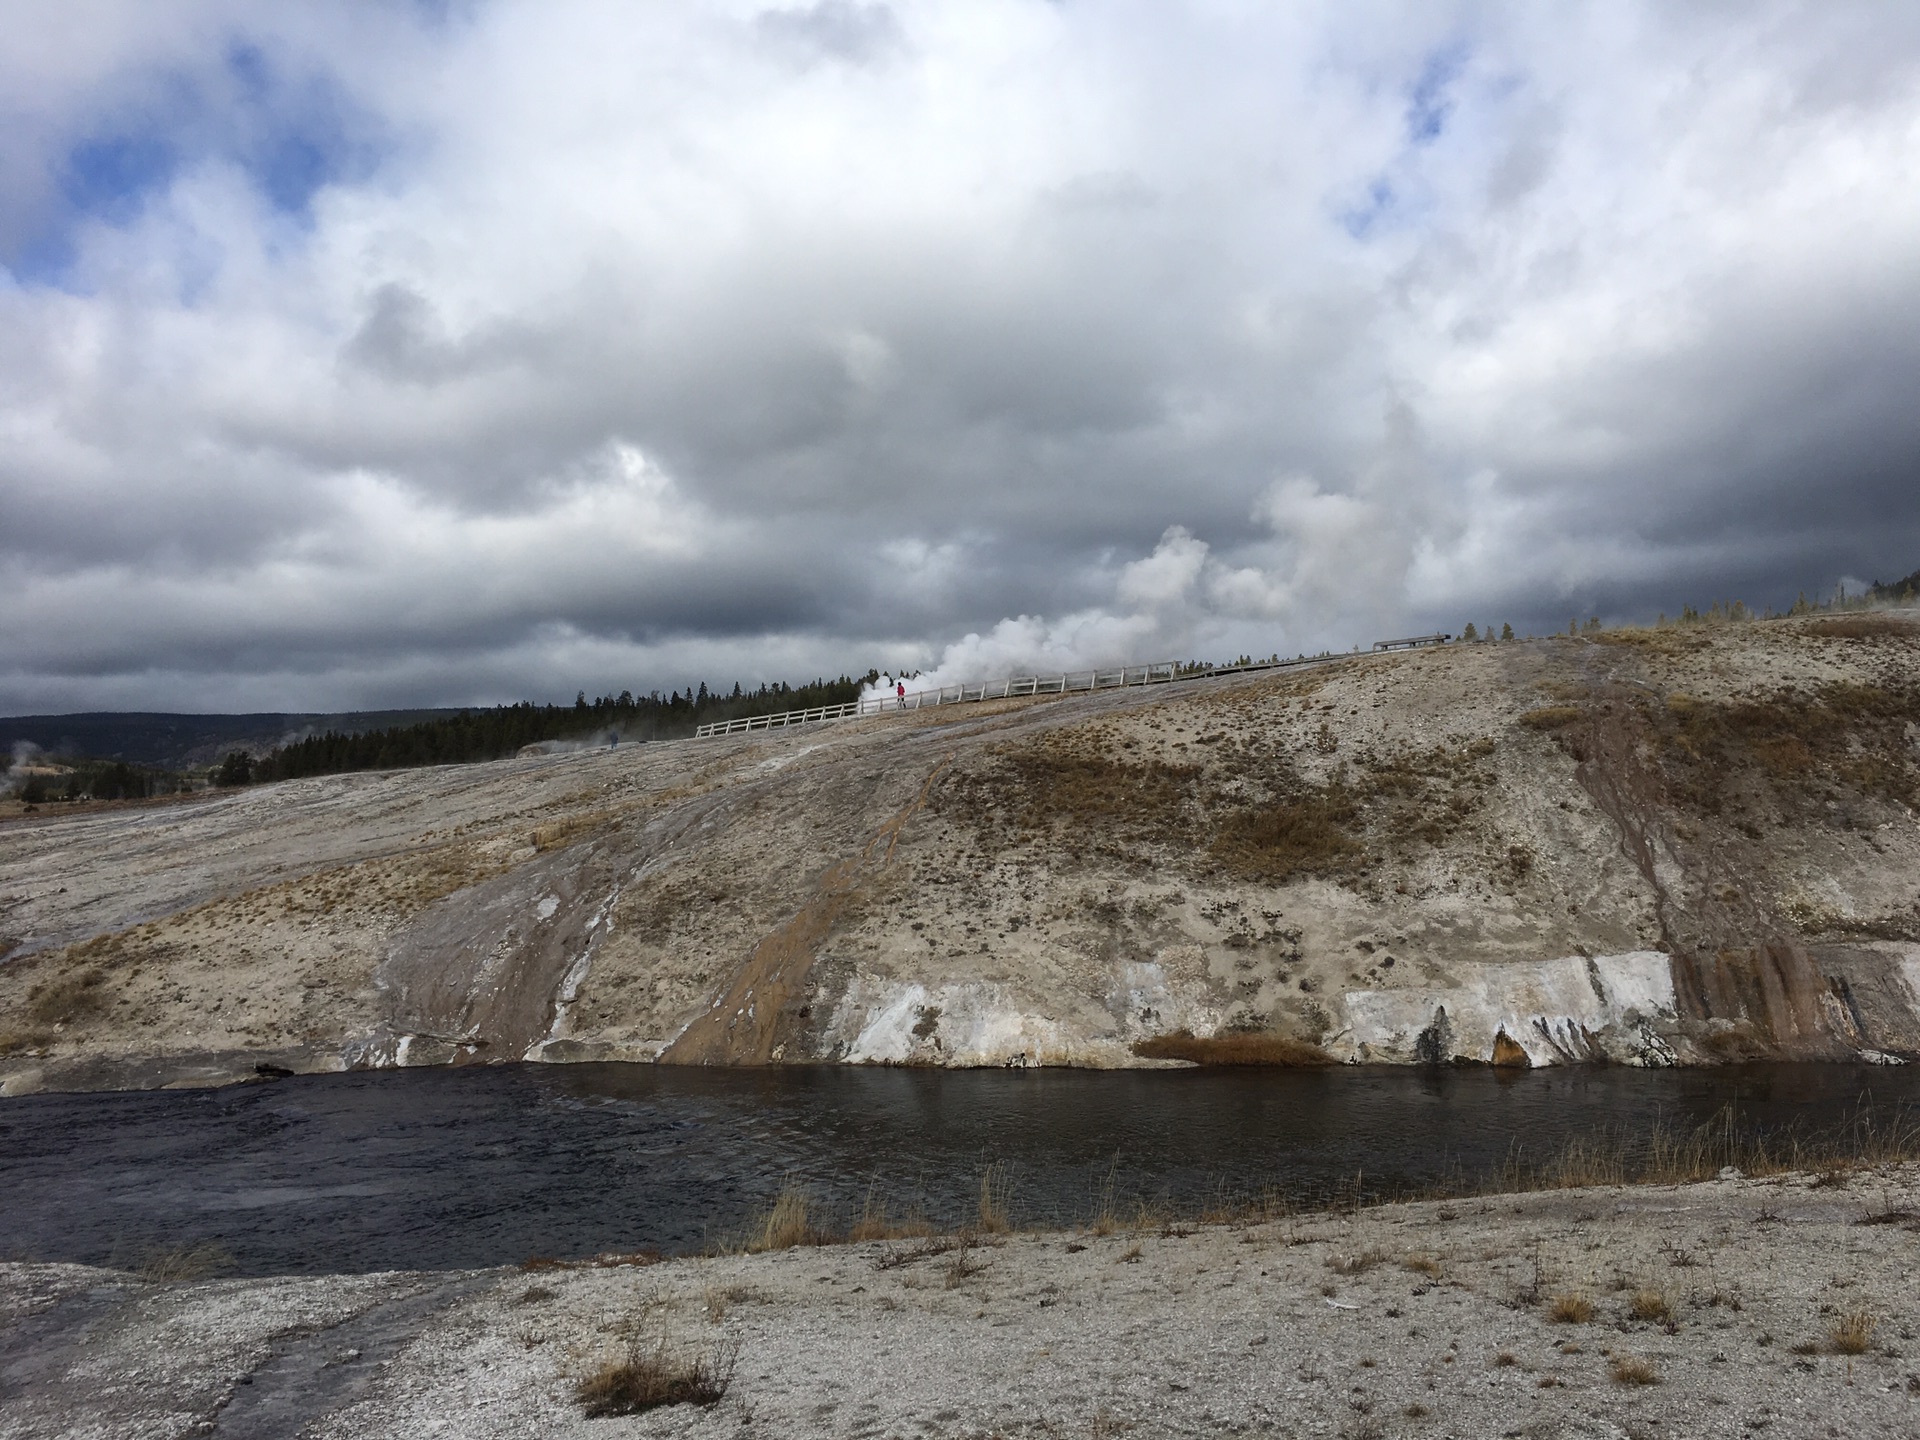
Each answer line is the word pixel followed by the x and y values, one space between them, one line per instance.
pixel 1300 835
pixel 874 1223
pixel 1793 743
pixel 1573 1308
pixel 785 1225
pixel 646 1379
pixel 177 1264
pixel 561 833
pixel 1860 627
pixel 1356 1262
pixel 1552 717
pixel 12 1042
pixel 1422 1264
pixel 1852 1333
pixel 1651 1306
pixel 1666 1156
pixel 996 1190
pixel 1234 1048
pixel 68 998
pixel 1633 1370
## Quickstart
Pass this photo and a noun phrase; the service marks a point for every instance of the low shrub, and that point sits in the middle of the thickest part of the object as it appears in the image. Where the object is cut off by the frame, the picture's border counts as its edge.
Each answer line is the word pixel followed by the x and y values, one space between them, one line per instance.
pixel 646 1379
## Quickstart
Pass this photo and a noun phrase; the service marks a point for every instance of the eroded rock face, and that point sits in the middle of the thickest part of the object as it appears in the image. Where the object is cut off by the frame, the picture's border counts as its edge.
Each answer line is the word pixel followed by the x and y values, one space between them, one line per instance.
pixel 1673 847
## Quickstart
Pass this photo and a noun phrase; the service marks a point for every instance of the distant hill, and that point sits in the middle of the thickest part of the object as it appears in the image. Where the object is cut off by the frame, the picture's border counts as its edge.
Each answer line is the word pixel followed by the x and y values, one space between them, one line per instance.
pixel 184 741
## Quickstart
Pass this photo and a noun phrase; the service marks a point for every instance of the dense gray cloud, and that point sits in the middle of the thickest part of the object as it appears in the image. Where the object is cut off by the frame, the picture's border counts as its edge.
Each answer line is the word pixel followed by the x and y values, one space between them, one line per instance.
pixel 381 354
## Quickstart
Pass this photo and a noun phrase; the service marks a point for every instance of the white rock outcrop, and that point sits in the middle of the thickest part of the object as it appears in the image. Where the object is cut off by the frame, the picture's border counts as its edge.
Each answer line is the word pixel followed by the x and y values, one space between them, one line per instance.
pixel 1555 1012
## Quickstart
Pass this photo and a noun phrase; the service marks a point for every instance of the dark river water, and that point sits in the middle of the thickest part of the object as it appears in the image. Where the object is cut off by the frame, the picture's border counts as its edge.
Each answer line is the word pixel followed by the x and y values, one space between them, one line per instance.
pixel 440 1168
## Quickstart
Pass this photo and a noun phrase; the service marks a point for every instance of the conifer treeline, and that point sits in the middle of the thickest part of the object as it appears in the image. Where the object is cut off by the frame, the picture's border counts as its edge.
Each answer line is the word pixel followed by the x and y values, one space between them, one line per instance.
pixel 1900 592
pixel 491 733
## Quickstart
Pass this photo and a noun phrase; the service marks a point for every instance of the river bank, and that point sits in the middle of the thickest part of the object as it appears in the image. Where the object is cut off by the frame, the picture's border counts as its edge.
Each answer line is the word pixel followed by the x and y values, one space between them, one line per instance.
pixel 1725 1307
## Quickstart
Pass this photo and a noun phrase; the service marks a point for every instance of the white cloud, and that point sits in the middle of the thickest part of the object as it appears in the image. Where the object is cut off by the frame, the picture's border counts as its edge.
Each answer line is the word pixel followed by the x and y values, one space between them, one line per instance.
pixel 1379 316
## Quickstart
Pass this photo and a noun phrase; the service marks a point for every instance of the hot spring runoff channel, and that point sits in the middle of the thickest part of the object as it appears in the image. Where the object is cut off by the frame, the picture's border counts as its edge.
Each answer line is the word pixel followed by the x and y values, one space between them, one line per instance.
pixel 407 1169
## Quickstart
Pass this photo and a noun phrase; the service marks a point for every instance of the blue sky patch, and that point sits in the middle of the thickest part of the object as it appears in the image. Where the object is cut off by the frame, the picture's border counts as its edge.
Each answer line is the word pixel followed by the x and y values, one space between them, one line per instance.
pixel 1360 220
pixel 112 176
pixel 1430 106
pixel 289 135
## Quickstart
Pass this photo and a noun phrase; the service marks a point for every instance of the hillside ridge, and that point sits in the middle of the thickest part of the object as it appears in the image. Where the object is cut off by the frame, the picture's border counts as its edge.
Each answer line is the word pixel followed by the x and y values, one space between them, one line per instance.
pixel 1675 846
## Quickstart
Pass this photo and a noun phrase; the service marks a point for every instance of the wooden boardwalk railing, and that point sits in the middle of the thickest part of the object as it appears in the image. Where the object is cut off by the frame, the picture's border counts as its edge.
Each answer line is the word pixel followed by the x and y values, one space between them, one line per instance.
pixel 1161 672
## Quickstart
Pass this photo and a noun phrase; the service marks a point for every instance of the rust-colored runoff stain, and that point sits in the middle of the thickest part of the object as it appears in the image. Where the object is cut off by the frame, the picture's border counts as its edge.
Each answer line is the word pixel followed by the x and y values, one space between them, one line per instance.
pixel 745 1025
pixel 1508 1052
pixel 1731 960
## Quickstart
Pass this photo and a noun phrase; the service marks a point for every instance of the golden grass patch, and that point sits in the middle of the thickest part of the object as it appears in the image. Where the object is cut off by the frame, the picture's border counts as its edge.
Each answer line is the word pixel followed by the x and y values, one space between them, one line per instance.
pixel 1234 1048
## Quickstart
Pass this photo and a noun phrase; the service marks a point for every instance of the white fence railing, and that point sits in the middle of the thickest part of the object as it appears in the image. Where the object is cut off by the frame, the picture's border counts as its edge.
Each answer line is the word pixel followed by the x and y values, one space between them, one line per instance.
pixel 1012 687
pixel 1160 673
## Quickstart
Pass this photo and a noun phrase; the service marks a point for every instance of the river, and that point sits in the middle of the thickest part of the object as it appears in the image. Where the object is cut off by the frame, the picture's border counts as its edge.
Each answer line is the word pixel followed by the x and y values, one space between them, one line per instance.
pixel 444 1168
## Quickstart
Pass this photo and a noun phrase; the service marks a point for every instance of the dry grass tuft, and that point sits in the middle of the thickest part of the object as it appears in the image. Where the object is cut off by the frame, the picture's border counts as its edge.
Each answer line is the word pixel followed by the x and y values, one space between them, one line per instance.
pixel 1572 1308
pixel 648 1379
pixel 1852 1333
pixel 176 1264
pixel 1633 1370
pixel 996 1190
pixel 1422 1263
pixel 1300 835
pixel 1663 1155
pixel 1651 1306
pixel 874 1223
pixel 68 998
pixel 1356 1262
pixel 1552 717
pixel 1132 1257
pixel 786 1225
pixel 1237 1048
pixel 1860 627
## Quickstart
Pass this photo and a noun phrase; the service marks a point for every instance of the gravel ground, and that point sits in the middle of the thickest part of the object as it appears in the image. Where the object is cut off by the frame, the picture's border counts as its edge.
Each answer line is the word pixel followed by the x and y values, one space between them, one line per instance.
pixel 1430 1319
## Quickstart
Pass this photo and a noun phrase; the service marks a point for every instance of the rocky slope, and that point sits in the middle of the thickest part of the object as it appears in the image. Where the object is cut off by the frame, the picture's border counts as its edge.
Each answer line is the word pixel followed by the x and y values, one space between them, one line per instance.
pixel 1672 846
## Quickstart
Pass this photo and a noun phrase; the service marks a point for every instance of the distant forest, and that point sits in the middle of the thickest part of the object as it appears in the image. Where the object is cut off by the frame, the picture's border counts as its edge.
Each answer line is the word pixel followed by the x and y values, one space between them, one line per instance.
pixel 1899 591
pixel 490 734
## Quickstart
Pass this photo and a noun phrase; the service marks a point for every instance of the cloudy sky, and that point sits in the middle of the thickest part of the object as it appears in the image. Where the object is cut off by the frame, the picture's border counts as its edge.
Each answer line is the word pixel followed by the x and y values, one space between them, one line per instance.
pixel 369 354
